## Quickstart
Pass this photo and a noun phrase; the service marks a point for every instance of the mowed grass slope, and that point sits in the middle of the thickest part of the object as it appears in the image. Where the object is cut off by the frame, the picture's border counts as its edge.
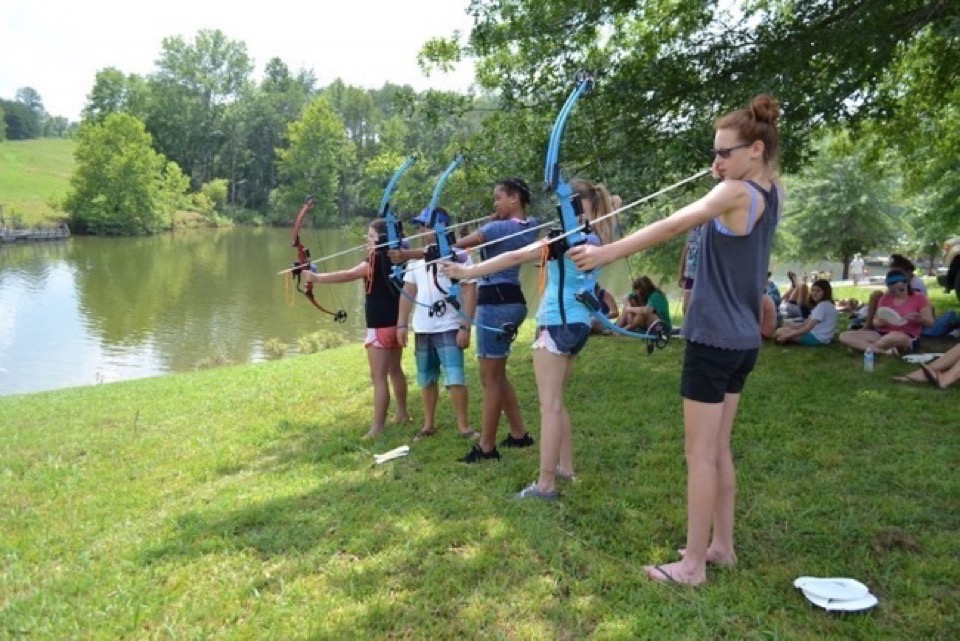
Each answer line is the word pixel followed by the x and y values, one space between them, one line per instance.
pixel 240 503
pixel 34 175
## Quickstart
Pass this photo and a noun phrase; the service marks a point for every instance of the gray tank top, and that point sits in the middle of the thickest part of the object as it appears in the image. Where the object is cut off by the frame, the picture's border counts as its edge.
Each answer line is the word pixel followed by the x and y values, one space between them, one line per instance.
pixel 731 276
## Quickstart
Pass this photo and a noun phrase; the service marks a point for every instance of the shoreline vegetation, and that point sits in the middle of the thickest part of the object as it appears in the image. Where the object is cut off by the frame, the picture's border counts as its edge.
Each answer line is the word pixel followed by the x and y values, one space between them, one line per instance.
pixel 241 502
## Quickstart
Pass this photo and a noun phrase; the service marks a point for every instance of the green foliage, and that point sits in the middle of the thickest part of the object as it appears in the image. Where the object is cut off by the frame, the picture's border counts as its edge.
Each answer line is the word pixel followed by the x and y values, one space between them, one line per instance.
pixel 320 340
pixel 310 165
pixel 117 188
pixel 216 193
pixel 274 349
pixel 837 207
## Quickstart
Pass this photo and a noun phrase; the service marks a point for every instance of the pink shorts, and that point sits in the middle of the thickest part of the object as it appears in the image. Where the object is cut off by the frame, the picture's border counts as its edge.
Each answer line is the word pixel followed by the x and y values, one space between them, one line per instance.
pixel 381 338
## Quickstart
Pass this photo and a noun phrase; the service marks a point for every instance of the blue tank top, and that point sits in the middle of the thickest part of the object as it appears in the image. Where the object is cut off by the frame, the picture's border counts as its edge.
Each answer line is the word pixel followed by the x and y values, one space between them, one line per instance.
pixel 498 229
pixel 731 276
pixel 574 310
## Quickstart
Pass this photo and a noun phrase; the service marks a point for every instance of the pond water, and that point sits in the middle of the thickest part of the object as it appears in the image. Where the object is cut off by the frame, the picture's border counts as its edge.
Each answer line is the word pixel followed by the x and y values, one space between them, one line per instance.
pixel 94 310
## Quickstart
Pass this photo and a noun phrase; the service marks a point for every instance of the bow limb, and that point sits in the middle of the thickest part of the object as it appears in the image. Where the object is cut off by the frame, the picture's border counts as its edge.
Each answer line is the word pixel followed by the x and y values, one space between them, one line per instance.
pixel 302 264
pixel 572 232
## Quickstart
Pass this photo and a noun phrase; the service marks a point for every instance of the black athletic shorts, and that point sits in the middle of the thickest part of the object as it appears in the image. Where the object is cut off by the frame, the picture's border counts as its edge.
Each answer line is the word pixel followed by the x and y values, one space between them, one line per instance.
pixel 709 373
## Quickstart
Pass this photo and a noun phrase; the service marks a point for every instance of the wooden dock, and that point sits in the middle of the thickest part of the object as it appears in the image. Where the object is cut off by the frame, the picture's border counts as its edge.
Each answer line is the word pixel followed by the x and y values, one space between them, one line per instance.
pixel 60 232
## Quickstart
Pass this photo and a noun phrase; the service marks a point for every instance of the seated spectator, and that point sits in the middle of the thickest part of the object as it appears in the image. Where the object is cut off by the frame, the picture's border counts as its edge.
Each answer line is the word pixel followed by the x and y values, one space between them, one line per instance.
pixel 794 300
pixel 645 306
pixel 769 317
pixel 942 324
pixel 819 326
pixel 773 291
pixel 904 264
pixel 608 307
pixel 900 318
pixel 941 373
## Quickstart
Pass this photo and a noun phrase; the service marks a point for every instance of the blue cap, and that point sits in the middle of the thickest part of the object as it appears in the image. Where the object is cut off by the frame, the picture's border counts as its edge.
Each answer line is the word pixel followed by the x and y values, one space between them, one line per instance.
pixel 424 217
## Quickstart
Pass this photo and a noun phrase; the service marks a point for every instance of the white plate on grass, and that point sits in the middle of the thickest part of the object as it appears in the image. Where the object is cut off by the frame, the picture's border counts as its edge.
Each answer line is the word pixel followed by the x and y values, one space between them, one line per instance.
pixel 832 589
pixel 851 605
pixel 920 358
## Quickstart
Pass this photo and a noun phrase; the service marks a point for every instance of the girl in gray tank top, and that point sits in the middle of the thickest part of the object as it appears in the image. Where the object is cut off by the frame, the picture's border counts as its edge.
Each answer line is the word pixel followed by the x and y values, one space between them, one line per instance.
pixel 722 327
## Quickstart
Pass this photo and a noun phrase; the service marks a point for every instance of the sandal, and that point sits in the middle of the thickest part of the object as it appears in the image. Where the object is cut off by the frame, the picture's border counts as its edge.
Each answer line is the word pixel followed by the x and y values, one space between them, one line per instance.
pixel 932 377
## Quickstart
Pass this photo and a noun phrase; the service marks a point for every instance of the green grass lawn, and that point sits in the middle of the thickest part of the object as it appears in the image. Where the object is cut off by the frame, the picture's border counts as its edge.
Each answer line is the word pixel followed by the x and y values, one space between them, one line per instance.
pixel 240 503
pixel 34 174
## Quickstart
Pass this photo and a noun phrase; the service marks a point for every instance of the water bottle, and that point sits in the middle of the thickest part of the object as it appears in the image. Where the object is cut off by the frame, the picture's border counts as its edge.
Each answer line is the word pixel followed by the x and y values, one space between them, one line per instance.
pixel 868 361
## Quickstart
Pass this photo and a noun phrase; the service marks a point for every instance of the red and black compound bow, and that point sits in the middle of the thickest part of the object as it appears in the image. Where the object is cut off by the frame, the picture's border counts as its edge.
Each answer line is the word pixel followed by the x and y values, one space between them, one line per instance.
pixel 303 263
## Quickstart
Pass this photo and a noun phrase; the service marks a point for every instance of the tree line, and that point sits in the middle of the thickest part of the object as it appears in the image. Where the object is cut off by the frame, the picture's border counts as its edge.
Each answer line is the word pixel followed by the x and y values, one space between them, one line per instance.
pixel 869 89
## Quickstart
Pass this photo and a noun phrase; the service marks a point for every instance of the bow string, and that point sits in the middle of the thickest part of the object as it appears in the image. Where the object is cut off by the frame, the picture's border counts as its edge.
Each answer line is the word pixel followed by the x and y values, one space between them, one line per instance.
pixel 303 263
pixel 572 232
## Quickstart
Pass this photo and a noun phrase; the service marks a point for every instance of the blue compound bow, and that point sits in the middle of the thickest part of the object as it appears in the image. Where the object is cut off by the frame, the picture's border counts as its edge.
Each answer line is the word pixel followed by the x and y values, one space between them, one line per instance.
pixel 394 228
pixel 443 251
pixel 572 233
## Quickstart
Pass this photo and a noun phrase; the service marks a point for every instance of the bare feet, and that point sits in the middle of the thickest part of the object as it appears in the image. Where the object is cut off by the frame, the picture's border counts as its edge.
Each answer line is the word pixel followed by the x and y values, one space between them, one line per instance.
pixel 402 418
pixel 374 432
pixel 674 573
pixel 715 557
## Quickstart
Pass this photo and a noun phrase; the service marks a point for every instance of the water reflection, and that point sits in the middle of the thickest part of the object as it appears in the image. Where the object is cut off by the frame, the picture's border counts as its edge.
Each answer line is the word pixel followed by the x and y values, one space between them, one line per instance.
pixel 93 310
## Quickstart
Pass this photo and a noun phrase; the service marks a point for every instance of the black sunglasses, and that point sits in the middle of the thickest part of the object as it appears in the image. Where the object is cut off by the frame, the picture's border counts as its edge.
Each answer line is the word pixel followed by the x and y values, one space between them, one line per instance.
pixel 725 153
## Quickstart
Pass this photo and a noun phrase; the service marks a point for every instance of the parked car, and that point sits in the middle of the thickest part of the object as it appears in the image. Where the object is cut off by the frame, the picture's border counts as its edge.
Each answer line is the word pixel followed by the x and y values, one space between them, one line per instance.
pixel 949 275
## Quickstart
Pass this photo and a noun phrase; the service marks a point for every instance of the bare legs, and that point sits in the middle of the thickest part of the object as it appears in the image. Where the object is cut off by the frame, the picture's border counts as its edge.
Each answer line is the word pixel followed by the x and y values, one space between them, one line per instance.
pixel 864 339
pixel 711 491
pixel 459 399
pixel 385 364
pixel 946 369
pixel 499 398
pixel 556 445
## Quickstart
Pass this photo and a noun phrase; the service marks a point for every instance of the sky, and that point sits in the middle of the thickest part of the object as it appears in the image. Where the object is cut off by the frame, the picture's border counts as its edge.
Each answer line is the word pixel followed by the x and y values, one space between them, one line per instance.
pixel 57 46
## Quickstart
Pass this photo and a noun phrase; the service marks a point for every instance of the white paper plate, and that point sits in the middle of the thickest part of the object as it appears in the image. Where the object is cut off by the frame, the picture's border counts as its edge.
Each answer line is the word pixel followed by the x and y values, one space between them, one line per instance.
pixel 920 358
pixel 833 589
pixel 854 605
pixel 890 315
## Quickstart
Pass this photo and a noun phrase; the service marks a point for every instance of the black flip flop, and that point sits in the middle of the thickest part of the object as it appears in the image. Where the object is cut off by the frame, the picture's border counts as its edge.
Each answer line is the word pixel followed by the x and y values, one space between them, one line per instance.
pixel 931 376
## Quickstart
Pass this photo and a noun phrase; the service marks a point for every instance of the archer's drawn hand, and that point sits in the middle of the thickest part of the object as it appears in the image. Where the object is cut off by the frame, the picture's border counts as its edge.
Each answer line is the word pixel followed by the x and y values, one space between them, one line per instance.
pixel 395 256
pixel 587 257
pixel 454 271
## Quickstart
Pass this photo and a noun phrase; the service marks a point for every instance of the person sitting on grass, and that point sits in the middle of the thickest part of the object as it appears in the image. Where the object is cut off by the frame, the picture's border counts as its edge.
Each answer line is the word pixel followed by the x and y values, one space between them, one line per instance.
pixel 769 317
pixel 793 304
pixel 900 318
pixel 818 328
pixel 608 307
pixel 941 373
pixel 916 284
pixel 644 307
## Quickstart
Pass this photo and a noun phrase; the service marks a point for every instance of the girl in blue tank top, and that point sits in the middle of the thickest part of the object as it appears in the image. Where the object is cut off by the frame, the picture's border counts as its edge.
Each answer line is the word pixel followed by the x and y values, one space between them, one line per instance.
pixel 563 326
pixel 722 326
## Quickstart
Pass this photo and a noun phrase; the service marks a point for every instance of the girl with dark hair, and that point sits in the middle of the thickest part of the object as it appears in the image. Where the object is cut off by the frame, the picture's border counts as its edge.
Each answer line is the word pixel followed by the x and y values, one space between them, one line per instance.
pixel 900 317
pixel 384 351
pixel 645 306
pixel 500 301
pixel 818 328
pixel 722 326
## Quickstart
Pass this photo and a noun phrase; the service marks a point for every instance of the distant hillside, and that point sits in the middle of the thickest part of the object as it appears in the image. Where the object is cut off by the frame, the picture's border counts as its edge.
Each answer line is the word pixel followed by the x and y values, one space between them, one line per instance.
pixel 32 174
